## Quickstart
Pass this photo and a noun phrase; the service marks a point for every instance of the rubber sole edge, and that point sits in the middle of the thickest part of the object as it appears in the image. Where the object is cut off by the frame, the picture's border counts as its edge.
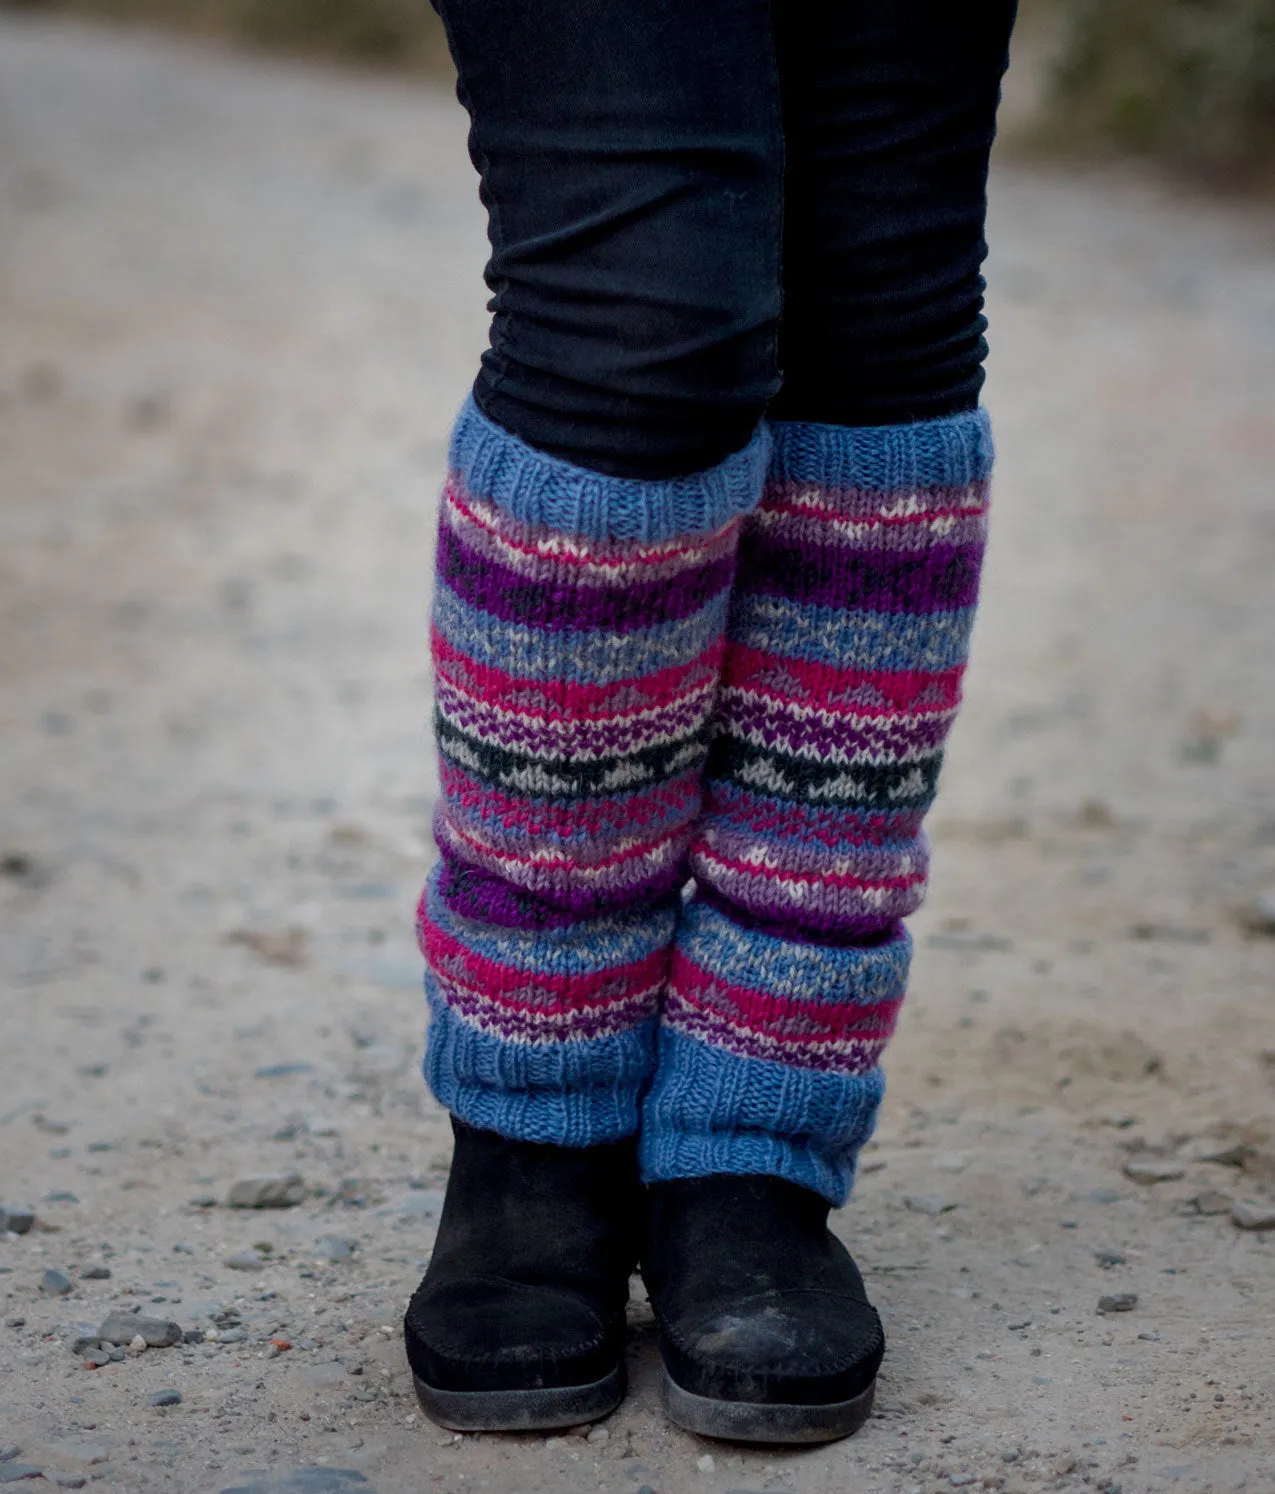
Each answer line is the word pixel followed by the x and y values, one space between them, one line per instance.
pixel 521 1410
pixel 759 1421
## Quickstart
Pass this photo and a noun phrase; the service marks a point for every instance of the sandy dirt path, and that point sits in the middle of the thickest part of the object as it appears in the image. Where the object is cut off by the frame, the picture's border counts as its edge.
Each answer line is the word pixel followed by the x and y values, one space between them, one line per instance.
pixel 240 303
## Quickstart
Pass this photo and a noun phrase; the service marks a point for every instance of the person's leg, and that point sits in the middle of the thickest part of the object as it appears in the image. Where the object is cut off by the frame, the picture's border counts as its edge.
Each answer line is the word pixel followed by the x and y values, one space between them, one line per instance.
pixel 848 637
pixel 630 162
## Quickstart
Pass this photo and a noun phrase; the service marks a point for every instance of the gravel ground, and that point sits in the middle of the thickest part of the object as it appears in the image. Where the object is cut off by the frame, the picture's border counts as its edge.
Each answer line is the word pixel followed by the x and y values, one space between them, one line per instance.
pixel 240 303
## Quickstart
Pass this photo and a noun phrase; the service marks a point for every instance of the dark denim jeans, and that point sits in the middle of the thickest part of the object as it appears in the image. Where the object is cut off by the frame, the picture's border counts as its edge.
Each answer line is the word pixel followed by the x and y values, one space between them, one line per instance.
pixel 703 211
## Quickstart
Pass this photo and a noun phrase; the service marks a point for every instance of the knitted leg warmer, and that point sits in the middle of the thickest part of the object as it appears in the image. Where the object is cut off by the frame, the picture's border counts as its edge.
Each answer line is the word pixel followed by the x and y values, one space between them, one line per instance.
pixel 578 635
pixel 848 637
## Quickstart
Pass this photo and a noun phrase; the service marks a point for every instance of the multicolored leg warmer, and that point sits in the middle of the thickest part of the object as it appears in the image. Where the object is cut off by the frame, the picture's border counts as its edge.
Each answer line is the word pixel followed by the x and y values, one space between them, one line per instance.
pixel 848 637
pixel 578 637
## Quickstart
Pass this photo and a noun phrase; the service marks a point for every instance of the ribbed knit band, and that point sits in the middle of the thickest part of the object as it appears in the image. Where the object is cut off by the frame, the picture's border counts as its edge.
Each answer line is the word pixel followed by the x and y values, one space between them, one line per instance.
pixel 543 1034
pixel 948 453
pixel 768 1055
pixel 541 489
pixel 849 631
pixel 576 670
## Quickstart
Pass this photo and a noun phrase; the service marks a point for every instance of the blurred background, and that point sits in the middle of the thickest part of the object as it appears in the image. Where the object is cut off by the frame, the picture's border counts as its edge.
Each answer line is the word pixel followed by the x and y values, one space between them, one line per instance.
pixel 1191 82
pixel 240 302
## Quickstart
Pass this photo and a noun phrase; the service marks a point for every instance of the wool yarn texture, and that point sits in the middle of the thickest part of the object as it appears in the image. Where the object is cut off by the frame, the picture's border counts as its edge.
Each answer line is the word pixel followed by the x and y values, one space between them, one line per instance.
pixel 848 638
pixel 578 638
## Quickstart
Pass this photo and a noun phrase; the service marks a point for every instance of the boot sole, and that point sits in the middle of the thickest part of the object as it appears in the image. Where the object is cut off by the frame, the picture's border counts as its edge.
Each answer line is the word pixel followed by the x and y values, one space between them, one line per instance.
pixel 762 1421
pixel 521 1410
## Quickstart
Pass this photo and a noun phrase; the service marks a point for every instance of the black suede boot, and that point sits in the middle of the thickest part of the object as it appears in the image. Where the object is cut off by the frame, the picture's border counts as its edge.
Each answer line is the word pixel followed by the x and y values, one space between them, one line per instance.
pixel 519 1322
pixel 765 1328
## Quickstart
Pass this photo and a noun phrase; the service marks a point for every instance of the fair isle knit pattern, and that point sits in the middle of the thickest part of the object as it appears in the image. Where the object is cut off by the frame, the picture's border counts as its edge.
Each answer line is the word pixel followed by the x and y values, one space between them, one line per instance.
pixel 848 636
pixel 578 638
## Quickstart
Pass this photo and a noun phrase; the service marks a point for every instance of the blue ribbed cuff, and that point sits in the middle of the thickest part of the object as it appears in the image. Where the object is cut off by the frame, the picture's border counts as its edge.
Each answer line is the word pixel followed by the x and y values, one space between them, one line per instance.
pixel 541 489
pixel 709 1111
pixel 563 1093
pixel 951 452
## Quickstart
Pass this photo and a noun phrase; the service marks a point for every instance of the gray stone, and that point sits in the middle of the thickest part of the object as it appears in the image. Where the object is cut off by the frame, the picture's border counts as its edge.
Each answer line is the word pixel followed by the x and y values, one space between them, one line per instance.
pixel 95 1273
pixel 18 1221
pixel 55 1283
pixel 231 1335
pixel 16 1321
pixel 1257 916
pixel 1153 1169
pixel 246 1260
pixel 332 1248
pixel 1211 1201
pixel 301 1481
pixel 1253 1213
pixel 1108 1258
pixel 14 1473
pixel 68 1480
pixel 281 1190
pixel 282 1070
pixel 927 1203
pixel 7 1454
pixel 332 1373
pixel 1118 1302
pixel 164 1398
pixel 122 1327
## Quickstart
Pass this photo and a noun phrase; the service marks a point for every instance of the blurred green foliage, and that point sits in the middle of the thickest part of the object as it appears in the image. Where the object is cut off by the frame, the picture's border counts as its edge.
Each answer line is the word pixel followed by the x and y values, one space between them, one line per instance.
pixel 1192 81
pixel 402 33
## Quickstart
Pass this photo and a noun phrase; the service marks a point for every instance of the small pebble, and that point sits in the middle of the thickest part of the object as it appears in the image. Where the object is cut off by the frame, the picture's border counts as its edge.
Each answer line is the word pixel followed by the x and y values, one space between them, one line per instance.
pixel 123 1327
pixel 332 1248
pixel 69 1480
pixel 15 1473
pixel 959 1480
pixel 245 1260
pixel 706 1463
pixel 56 1283
pixel 1251 1213
pixel 1257 916
pixel 1108 1258
pixel 1118 1302
pixel 1211 1201
pixel 598 1435
pixel 1153 1169
pixel 7 1454
pixel 17 1321
pixel 136 1345
pixel 282 1190
pixel 927 1203
pixel 164 1398
pixel 95 1273
pixel 17 1221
